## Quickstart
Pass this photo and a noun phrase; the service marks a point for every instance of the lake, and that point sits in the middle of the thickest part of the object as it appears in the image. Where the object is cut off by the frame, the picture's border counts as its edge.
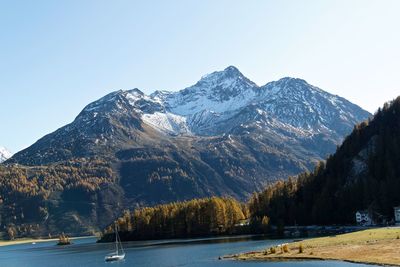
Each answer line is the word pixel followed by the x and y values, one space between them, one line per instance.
pixel 166 253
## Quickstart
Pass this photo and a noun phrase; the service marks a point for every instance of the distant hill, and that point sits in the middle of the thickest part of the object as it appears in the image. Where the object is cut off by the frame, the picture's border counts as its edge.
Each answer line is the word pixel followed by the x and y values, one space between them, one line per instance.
pixel 223 136
pixel 363 174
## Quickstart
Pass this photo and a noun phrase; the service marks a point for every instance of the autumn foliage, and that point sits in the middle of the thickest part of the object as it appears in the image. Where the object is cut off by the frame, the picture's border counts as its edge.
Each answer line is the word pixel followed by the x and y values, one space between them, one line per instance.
pixel 198 217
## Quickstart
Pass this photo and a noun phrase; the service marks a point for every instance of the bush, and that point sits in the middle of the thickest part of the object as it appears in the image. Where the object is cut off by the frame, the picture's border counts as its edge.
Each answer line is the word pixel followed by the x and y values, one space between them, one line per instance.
pixel 301 248
pixel 285 248
pixel 272 250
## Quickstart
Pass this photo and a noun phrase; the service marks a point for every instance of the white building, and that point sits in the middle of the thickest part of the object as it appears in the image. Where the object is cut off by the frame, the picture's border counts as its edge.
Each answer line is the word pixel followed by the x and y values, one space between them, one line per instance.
pixel 245 222
pixel 363 218
pixel 397 215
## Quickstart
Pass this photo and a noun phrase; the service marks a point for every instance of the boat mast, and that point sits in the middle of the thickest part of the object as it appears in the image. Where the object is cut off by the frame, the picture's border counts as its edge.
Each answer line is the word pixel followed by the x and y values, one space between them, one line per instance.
pixel 116 238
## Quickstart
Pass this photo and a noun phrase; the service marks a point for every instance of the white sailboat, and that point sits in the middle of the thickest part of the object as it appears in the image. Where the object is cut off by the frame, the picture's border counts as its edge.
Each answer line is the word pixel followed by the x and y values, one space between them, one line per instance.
pixel 119 253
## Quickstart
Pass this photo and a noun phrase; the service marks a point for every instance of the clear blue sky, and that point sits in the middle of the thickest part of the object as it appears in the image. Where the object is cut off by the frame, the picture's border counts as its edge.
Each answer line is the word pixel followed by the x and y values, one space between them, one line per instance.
pixel 57 56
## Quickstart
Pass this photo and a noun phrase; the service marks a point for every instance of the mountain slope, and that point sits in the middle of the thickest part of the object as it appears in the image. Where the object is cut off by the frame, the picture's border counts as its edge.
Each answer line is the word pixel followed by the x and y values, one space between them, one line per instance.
pixel 363 174
pixel 222 136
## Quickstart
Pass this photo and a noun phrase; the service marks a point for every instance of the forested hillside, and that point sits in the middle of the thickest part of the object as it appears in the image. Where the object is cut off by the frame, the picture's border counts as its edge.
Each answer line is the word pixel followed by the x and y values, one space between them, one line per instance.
pixel 74 196
pixel 364 173
pixel 197 217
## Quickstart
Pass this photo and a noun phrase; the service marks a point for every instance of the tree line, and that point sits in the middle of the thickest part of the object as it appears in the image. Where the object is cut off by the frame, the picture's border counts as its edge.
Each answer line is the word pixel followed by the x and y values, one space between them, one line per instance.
pixel 197 217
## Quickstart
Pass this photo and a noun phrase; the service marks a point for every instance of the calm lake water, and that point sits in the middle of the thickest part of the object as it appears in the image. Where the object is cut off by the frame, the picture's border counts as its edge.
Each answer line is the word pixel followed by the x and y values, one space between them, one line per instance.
pixel 168 253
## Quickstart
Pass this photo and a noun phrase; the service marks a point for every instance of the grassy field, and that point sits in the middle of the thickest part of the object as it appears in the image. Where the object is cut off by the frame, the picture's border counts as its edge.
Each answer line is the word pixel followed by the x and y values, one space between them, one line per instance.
pixel 374 246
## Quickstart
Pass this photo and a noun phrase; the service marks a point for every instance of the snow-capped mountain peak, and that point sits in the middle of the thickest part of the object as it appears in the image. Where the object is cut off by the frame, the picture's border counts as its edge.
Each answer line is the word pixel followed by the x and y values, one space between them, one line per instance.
pixel 218 92
pixel 4 154
pixel 134 93
pixel 223 84
pixel 230 72
pixel 141 101
pixel 222 100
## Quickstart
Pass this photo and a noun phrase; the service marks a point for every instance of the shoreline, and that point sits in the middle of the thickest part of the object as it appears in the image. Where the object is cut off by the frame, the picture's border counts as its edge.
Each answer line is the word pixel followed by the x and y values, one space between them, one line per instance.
pixel 374 247
pixel 288 259
pixel 20 241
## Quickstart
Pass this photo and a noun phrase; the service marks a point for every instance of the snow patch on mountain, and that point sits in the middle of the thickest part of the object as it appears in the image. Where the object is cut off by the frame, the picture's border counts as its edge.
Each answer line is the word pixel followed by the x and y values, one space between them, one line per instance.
pixel 4 154
pixel 167 122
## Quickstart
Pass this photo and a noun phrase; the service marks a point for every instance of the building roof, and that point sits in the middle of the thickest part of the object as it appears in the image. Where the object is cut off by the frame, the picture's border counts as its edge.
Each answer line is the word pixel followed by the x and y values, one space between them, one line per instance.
pixel 363 211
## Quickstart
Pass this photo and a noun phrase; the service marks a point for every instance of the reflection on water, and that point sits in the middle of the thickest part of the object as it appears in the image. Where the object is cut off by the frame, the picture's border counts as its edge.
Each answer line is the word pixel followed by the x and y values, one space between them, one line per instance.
pixel 164 253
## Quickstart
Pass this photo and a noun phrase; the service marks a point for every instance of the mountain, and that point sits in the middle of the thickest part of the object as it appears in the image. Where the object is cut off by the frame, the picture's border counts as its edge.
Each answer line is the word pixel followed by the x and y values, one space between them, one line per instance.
pixel 363 174
pixel 223 136
pixel 221 103
pixel 4 154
